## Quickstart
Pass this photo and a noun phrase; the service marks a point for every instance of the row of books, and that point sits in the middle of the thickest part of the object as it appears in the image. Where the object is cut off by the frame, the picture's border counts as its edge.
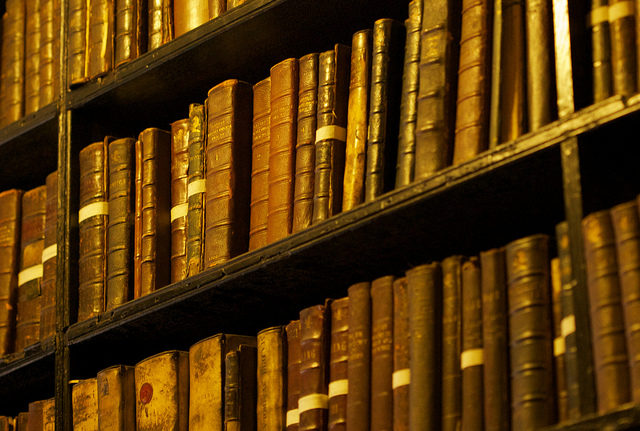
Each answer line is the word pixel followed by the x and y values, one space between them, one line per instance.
pixel 40 417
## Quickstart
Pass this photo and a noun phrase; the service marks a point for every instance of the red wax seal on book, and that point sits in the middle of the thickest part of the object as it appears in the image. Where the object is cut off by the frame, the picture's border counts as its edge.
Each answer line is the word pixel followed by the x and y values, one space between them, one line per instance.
pixel 146 393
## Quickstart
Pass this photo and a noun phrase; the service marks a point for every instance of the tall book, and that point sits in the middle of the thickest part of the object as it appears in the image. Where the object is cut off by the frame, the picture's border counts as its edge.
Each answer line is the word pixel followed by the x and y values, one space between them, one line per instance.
pixel 338 365
pixel 401 371
pixel 382 353
pixel 622 26
pixel 532 401
pixel 272 379
pixel 451 343
pixel 49 261
pixel 49 414
pixel 284 109
pixel 32 57
pixel 240 389
pixel 293 374
pixel 49 50
pixel 558 342
pixel 333 78
pixel 36 416
pixel 305 139
pixel 179 203
pixel 606 312
pixel 189 14
pixel 228 174
pixel 84 400
pixel 100 29
pixel 601 50
pixel 130 39
pixel 77 40
pixel 116 399
pixel 359 363
pixel 137 222
pixel 196 189
pixel 10 217
pixel 13 62
pixel 160 24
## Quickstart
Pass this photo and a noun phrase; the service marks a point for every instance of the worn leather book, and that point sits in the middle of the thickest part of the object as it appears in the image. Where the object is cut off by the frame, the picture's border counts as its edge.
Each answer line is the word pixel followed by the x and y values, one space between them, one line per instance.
pixel 13 61
pixel 49 50
pixel 21 421
pixel 606 312
pixel 10 217
pixel 162 392
pixel 92 219
pixel 49 414
pixel 130 31
pixel 384 106
pixel 305 141
pixel 137 223
pixel 272 379
pixel 623 49
pixel 558 342
pixel 357 120
pixel 451 343
pixel 206 377
pixel 382 354
pixel 234 3
pixel 333 78
pixel 601 50
pixel 30 275
pixel 293 374
pixel 6 423
pixel 100 38
pixel 160 23
pixel 338 365
pixel 179 203
pixel 116 399
pixel 189 14
pixel 78 32
pixel 495 340
pixel 228 173
pixel 240 389
pixel 532 391
pixel 424 287
pixel 313 402
pixel 217 8
pixel 196 189
pixel 84 399
pixel 36 416
pixel 260 164
pixel 401 372
pixel 155 235
pixel 49 261
pixel 284 109
pixel 359 363
pixel 32 57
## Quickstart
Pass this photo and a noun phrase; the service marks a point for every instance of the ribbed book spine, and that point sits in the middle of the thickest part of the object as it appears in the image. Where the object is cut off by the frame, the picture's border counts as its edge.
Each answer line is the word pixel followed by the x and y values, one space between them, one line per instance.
pixel 179 203
pixel 49 50
pixel 558 342
pixel 196 188
pixel 137 224
pixel 382 354
pixel 601 50
pixel 10 216
pixel 451 343
pixel 78 18
pixel 160 23
pixel 293 375
pixel 272 379
pixel 338 365
pixel 13 62
pixel 49 261
pixel 130 39
pixel 32 57
pixel 116 399
pixel 100 39
pixel 401 372
pixel 622 26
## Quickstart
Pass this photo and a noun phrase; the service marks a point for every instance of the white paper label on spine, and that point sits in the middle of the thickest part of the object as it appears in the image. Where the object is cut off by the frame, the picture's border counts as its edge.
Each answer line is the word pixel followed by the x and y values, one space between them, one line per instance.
pixel 599 15
pixel 93 209
pixel 568 325
pixel 401 378
pixel 293 417
pixel 471 358
pixel 179 211
pixel 49 252
pixel 29 274
pixel 621 10
pixel 312 402
pixel 331 132
pixel 195 187
pixel 338 387
pixel 558 346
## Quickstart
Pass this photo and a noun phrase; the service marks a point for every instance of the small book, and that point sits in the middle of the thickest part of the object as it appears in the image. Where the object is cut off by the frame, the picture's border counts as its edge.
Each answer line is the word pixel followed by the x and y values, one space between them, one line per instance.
pixel 32 57
pixel 130 39
pixel 272 378
pixel 84 400
pixel 338 364
pixel 49 261
pixel 100 27
pixel 116 399
pixel 196 189
pixel 293 375
pixel 160 24
pixel 10 217
pixel 179 201
pixel 240 389
pixel 382 354
pixel 451 343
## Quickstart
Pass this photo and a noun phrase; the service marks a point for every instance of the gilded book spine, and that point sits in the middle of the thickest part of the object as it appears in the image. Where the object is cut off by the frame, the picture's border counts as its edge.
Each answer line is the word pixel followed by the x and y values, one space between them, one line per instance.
pixel 179 204
pixel 49 50
pixel 622 25
pixel 293 375
pixel 160 23
pixel 338 368
pixel 130 30
pixel 359 363
pixel 78 17
pixel 32 57
pixel 116 399
pixel 189 14
pixel 13 61
pixel 272 379
pixel 601 46
pixel 10 216
pixel 558 341
pixel 84 398
pixel 451 343
pixel 137 224
pixel 382 354
pixel 100 39
pixel 401 372
pixel 49 261
pixel 196 189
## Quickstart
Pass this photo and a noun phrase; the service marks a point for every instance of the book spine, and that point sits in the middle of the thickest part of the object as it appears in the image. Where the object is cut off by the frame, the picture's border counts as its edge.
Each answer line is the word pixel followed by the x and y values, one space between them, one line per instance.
pixel 13 58
pixel 116 399
pixel 234 3
pixel 84 399
pixel 451 348
pixel 160 23
pixel 179 203
pixel 78 17
pixel 284 107
pixel 401 371
pixel 240 389
pixel 338 365
pixel 357 117
pixel 558 342
pixel 333 76
pixel 189 14
pixel 359 363
pixel 622 27
pixel 206 384
pixel 32 57
pixel 232 418
pixel 49 261
pixel 21 421
pixel 293 375
pixel 10 217
pixel 196 188
pixel 130 30
pixel 49 414
pixel 260 164
pixel 36 416
pixel 49 51
pixel 228 173
pixel 382 354
pixel 100 39
pixel 217 8
pixel 305 149
pixel 137 224
pixel 271 379
pixel 601 50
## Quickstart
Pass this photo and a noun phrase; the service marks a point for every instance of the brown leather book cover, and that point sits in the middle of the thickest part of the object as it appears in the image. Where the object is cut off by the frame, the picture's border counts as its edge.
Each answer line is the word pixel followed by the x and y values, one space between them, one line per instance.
pixel 120 229
pixel 305 148
pixel 6 423
pixel 532 391
pixel 155 233
pixel 130 31
pixel 384 106
pixel 36 416
pixel 472 356
pixel 49 414
pixel 49 261
pixel 357 120
pixel 293 374
pixel 601 50
pixel 338 365
pixel 401 372
pixel 382 354
pixel 622 23
pixel 196 189
pixel 495 340
pixel 92 219
pixel 606 312
pixel 284 108
pixel 558 342
pixel 451 343
pixel 21 421
pixel 117 399
pixel 333 92
pixel 160 23
pixel 472 112
pixel 100 38
pixel 30 276
pixel 313 402
pixel 49 50
pixel 228 174
pixel 13 61
pixel 217 8
pixel 189 14
pixel 272 379
pixel 179 202
pixel 84 400
pixel 137 223
pixel 240 389
pixel 260 164
pixel 359 363
pixel 77 50
pixel 32 57
pixel 234 3
pixel 10 218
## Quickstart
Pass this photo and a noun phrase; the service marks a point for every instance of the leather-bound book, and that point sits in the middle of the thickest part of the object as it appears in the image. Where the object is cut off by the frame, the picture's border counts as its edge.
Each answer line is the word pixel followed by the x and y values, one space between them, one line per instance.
pixel 84 400
pixel 272 379
pixel 206 377
pixel 558 342
pixel 384 106
pixel 401 372
pixel 155 234
pixel 217 8
pixel 100 38
pixel 357 120
pixel 13 61
pixel 49 51
pixel 6 423
pixel 120 229
pixel 49 414
pixel 189 14
pixel 293 374
pixel 137 223
pixel 233 3
pixel 424 287
pixel 130 39
pixel 601 50
pixel 260 164
pixel 10 216
pixel 333 91
pixel 196 189
pixel 162 392
pixel 437 88
pixel 49 261
pixel 495 340
pixel 32 57
pixel 472 112
pixel 77 50
pixel 284 109
pixel 313 401
pixel 240 389
pixel 382 354
pixel 451 343
pixel 160 25
pixel 606 312
pixel 30 275
pixel 21 421
pixel 622 26
pixel 36 416
pixel 409 97
pixel 179 203
pixel 305 148
pixel 92 219
pixel 359 363
pixel 472 356
pixel 228 173
pixel 530 329
pixel 117 399
pixel 338 365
